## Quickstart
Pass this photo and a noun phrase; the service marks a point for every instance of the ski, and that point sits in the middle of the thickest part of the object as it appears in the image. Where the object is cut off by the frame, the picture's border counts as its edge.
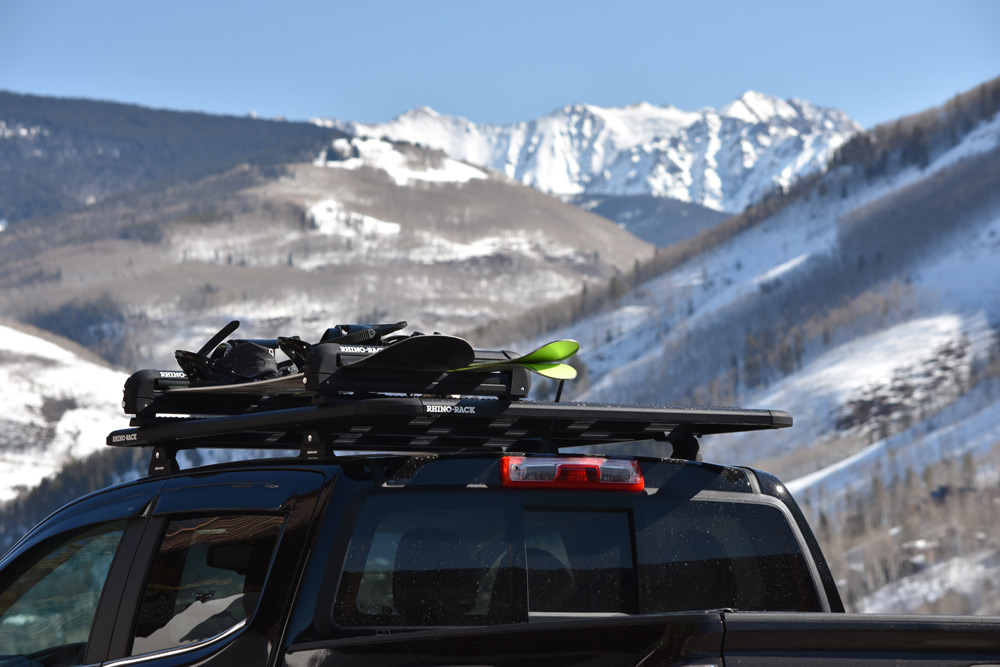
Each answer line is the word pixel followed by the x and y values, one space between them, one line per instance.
pixel 289 384
pixel 552 370
pixel 434 352
pixel 550 353
pixel 555 371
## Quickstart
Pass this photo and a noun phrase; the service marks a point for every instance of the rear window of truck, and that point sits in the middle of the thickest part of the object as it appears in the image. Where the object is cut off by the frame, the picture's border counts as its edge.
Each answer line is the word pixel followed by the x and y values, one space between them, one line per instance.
pixel 441 559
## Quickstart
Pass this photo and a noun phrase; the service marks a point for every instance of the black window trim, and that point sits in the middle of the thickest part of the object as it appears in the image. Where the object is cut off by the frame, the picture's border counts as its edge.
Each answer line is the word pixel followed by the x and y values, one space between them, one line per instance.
pixel 109 605
pixel 132 591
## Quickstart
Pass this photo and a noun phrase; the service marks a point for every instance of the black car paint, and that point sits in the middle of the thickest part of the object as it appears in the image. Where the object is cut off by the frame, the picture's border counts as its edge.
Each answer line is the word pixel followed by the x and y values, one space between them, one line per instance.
pixel 321 500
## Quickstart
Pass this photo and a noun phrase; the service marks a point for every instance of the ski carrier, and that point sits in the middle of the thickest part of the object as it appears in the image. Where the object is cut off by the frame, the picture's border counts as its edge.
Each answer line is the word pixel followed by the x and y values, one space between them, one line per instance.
pixel 362 388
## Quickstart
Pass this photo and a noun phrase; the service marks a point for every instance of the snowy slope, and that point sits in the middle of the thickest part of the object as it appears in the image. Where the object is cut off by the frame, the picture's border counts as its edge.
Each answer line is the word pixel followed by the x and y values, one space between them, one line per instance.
pixel 620 346
pixel 56 406
pixel 723 159
pixel 969 277
pixel 972 576
pixel 961 284
pixel 627 350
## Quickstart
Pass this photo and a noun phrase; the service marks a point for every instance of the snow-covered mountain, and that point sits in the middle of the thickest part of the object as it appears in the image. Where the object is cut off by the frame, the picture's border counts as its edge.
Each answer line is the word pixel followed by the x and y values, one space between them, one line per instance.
pixel 723 159
pixel 58 405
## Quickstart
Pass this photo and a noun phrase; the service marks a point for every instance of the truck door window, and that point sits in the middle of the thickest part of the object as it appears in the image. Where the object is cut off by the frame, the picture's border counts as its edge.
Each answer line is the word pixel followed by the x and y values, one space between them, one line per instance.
pixel 205 580
pixel 48 607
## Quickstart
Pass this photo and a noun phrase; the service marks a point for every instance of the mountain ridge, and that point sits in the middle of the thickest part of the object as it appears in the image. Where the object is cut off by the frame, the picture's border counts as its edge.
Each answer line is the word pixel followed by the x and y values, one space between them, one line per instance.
pixel 63 154
pixel 724 159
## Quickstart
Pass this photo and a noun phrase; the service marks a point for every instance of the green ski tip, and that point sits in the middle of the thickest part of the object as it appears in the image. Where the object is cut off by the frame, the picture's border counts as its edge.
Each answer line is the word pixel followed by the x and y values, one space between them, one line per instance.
pixel 556 371
pixel 550 353
pixel 546 361
pixel 558 350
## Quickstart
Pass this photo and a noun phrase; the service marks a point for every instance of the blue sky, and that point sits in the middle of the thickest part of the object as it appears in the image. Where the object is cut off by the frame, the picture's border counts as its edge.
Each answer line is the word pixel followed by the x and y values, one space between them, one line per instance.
pixel 497 61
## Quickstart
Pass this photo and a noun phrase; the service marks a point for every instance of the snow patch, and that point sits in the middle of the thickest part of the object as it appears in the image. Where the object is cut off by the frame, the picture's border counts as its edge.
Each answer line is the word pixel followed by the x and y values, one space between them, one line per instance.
pixel 773 274
pixel 435 248
pixel 402 167
pixel 847 370
pixel 19 131
pixel 333 220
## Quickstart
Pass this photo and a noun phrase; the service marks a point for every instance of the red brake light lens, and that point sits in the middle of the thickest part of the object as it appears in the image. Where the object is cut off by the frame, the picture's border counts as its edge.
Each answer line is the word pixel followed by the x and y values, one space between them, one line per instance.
pixel 571 472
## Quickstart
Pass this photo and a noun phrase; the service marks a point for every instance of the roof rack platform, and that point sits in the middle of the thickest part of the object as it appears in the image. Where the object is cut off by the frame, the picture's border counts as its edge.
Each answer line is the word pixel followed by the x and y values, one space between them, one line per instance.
pixel 417 424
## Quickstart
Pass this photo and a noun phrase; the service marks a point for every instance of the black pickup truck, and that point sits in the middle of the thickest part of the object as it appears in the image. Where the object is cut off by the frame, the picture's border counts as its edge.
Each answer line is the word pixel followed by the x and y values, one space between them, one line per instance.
pixel 432 528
